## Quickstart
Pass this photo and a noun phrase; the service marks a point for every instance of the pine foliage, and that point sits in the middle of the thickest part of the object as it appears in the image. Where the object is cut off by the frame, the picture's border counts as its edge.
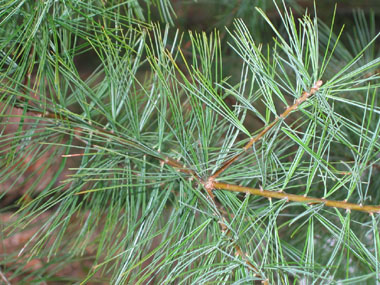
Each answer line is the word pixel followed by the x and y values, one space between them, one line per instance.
pixel 162 166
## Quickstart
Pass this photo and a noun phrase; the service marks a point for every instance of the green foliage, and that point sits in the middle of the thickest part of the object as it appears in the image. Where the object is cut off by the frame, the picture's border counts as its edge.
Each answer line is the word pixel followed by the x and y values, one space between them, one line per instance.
pixel 116 134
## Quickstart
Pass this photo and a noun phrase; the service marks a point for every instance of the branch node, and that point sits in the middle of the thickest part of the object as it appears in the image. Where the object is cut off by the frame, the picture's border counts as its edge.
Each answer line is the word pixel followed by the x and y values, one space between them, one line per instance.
pixel 317 85
pixel 209 185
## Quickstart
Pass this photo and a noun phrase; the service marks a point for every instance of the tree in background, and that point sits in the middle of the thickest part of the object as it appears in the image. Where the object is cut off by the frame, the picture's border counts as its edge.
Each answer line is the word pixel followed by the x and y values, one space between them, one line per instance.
pixel 132 152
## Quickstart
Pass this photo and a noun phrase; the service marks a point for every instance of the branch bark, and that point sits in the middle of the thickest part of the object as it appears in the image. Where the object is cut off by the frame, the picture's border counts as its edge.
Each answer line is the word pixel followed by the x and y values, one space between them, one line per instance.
pixel 297 198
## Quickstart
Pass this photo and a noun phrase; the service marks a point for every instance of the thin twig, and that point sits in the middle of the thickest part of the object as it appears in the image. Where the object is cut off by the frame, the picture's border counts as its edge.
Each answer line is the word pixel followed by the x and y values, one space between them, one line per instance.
pixel 255 139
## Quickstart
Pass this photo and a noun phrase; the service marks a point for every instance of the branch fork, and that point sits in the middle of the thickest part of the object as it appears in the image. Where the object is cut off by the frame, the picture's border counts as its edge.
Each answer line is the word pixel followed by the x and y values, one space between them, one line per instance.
pixel 211 185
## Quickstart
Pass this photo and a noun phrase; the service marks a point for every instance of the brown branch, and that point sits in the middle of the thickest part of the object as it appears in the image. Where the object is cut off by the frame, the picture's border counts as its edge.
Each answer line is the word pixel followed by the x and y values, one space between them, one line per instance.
pixel 299 101
pixel 224 228
pixel 297 198
pixel 106 134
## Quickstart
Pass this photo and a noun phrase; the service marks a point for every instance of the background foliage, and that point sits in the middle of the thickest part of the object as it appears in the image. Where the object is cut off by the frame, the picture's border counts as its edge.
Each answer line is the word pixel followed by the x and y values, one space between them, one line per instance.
pixel 124 123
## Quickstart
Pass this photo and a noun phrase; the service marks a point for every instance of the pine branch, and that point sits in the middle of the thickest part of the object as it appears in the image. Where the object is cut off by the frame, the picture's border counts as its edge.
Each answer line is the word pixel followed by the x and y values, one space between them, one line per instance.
pixel 210 184
pixel 147 146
